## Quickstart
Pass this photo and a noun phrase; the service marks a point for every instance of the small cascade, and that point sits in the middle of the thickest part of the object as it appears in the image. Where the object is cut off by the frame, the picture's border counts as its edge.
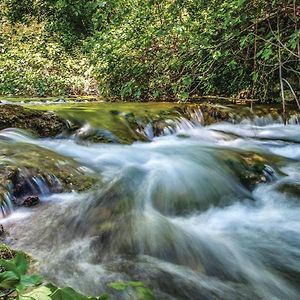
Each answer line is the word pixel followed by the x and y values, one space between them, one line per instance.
pixel 262 120
pixel 268 119
pixel 167 127
pixel 26 189
pixel 188 119
pixel 209 209
pixel 7 206
pixel 89 134
pixel 29 172
pixel 294 120
pixel 25 184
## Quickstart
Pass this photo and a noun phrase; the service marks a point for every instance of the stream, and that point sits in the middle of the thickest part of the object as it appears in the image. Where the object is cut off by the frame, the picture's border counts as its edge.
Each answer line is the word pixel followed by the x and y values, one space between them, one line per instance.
pixel 198 212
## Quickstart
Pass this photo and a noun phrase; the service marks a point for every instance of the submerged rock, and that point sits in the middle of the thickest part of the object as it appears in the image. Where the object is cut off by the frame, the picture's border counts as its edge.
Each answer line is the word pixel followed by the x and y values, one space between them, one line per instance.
pixel 31 201
pixel 290 188
pixel 44 124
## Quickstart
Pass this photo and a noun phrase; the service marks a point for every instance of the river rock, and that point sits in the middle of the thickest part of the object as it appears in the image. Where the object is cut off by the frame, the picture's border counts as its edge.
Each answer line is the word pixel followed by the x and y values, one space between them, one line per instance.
pixel 44 124
pixel 31 201
pixel 28 171
pixel 6 253
pixel 250 168
pixel 292 189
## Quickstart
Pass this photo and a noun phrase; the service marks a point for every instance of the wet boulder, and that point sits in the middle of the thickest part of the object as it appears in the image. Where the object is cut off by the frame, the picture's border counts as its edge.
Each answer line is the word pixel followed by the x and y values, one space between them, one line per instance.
pixel 251 168
pixel 88 133
pixel 28 172
pixel 31 201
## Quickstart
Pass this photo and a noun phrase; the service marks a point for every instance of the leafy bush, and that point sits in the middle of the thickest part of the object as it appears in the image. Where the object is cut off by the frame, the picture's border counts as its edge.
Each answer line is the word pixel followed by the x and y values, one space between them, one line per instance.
pixel 151 49
pixel 34 64
pixel 177 49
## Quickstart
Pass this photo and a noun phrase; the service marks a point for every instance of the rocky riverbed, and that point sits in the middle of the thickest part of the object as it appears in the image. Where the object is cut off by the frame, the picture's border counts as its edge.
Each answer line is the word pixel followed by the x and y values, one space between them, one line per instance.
pixel 205 197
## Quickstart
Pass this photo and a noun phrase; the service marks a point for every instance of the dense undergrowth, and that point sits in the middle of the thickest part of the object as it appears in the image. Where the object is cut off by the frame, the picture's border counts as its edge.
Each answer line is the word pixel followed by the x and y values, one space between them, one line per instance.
pixel 35 64
pixel 150 49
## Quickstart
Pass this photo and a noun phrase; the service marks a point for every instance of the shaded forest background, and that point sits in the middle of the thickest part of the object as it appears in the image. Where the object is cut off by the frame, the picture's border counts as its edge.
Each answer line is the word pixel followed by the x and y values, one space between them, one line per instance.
pixel 149 49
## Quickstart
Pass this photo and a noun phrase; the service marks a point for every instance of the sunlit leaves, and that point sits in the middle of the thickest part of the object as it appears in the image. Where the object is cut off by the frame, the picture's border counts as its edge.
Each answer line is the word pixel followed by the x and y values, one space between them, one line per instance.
pixel 40 293
pixel 16 281
pixel 15 277
pixel 167 49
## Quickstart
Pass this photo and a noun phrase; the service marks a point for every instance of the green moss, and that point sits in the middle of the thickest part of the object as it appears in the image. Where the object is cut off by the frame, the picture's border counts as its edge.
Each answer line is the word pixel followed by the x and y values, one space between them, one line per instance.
pixel 251 167
pixel 126 121
pixel 44 124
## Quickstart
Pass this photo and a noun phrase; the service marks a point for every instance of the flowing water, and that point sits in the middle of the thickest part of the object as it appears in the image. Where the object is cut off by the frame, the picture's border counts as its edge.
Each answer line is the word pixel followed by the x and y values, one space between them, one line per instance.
pixel 200 212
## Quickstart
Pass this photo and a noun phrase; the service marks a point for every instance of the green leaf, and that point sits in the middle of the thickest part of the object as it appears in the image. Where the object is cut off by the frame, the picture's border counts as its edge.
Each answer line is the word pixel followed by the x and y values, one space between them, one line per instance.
pixel 69 294
pixel 255 76
pixel 8 280
pixel 40 293
pixel 31 279
pixel 293 41
pixel 142 292
pixel 217 54
pixel 9 265
pixel 18 265
pixel 21 288
pixel 184 95
pixel 187 80
pixel 22 263
pixel 244 41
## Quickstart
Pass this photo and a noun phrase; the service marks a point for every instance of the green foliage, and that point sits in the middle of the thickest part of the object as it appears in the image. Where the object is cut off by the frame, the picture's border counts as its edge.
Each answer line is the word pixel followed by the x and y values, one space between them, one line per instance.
pixel 14 278
pixel 19 10
pixel 177 49
pixel 33 64
pixel 70 19
pixel 69 294
pixel 15 283
pixel 151 49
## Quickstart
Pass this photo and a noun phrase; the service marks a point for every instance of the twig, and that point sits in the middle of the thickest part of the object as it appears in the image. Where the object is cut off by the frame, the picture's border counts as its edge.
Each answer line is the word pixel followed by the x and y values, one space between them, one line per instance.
pixel 293 92
pixel 280 76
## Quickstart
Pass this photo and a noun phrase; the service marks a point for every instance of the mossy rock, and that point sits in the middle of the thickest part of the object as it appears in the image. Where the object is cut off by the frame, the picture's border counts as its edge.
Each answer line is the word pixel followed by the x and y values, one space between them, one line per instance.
pixel 43 124
pixel 23 165
pixel 6 252
pixel 252 168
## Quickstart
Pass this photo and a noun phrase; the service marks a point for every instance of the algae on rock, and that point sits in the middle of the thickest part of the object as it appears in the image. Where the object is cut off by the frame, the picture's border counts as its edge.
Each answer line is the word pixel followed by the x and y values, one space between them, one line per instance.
pixel 26 169
pixel 44 124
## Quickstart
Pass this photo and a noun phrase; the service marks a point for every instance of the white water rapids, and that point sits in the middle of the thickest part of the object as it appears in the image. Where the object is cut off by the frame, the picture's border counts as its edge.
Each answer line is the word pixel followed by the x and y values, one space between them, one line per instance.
pixel 175 214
